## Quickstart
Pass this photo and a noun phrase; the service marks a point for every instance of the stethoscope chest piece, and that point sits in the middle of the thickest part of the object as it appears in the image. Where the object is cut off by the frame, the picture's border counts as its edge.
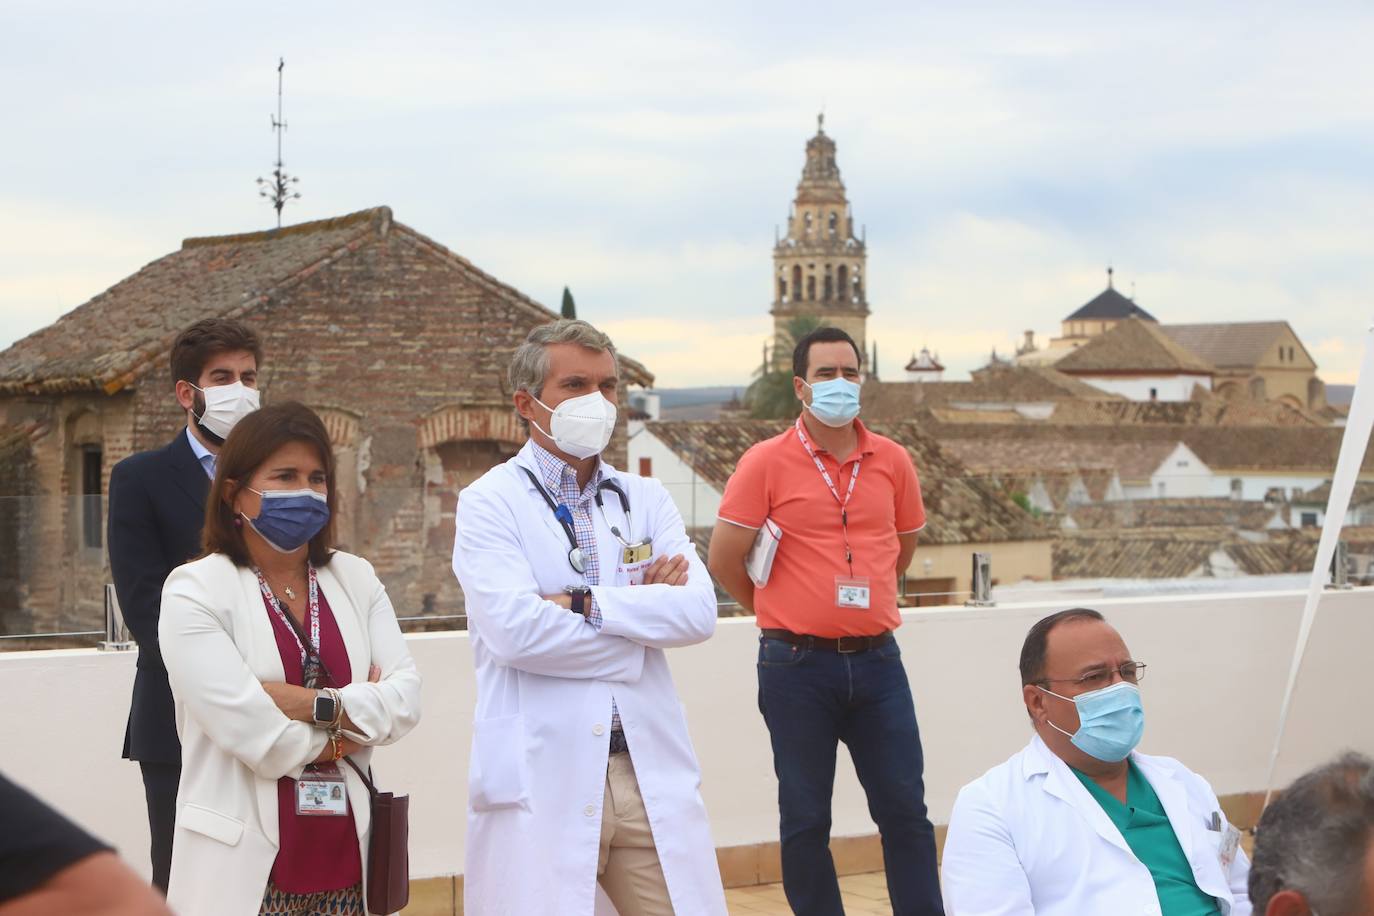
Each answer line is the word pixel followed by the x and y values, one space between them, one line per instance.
pixel 578 562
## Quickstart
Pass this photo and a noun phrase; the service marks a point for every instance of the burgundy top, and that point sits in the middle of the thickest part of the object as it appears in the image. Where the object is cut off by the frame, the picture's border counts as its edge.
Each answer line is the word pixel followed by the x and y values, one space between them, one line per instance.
pixel 317 853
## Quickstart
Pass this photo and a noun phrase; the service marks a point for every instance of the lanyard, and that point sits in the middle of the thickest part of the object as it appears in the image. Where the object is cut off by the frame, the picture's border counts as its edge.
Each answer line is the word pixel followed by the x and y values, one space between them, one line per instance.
pixel 565 520
pixel 830 483
pixel 313 616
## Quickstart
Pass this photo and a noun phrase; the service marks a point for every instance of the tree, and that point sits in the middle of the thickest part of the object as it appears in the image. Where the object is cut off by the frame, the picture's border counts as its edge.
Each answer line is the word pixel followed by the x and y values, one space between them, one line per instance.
pixel 771 396
pixel 569 307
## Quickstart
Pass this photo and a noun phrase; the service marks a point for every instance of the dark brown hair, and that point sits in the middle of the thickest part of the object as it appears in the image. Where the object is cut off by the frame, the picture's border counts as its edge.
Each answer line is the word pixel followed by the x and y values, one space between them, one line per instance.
pixel 256 438
pixel 210 337
pixel 1037 643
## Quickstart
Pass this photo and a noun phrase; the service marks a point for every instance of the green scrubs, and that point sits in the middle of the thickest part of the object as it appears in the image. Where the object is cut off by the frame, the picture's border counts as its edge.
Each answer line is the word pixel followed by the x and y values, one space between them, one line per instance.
pixel 1147 831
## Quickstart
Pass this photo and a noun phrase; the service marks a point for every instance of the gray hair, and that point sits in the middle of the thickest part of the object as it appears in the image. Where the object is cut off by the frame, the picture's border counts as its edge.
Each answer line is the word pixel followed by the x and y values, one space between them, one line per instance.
pixel 1315 838
pixel 529 367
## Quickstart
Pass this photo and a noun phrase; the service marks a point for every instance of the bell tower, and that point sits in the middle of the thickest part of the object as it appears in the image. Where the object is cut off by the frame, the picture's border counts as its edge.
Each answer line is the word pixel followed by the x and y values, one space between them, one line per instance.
pixel 819 266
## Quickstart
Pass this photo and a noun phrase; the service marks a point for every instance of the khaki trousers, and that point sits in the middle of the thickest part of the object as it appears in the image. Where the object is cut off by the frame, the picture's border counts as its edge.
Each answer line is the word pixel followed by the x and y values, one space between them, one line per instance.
pixel 627 868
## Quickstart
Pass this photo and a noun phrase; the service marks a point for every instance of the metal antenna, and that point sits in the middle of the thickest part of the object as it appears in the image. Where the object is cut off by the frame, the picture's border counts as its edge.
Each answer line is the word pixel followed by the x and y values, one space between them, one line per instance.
pixel 280 188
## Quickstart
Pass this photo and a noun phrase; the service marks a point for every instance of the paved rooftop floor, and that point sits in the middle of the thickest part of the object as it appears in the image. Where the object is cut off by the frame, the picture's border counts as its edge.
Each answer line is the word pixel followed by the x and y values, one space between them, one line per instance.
pixel 863 894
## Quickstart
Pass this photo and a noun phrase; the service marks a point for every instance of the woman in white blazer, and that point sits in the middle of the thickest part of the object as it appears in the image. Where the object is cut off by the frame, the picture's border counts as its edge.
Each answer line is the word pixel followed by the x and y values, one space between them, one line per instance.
pixel 269 821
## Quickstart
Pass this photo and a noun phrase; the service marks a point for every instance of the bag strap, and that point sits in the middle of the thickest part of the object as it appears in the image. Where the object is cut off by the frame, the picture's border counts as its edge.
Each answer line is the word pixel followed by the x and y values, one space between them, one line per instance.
pixel 312 652
pixel 372 789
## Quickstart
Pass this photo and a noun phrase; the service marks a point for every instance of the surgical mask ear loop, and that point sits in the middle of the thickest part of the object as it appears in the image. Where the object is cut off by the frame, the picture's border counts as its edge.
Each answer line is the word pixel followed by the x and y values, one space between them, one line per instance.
pixel 1047 718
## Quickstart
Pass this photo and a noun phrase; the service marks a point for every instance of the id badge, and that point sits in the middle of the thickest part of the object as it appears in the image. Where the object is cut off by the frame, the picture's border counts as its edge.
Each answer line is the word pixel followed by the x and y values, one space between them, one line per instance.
pixel 635 560
pixel 1230 842
pixel 322 792
pixel 852 592
pixel 636 553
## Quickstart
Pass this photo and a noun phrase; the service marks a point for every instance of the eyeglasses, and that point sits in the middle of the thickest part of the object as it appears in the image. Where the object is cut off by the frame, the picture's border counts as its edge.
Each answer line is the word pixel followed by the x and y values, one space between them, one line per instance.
pixel 1131 673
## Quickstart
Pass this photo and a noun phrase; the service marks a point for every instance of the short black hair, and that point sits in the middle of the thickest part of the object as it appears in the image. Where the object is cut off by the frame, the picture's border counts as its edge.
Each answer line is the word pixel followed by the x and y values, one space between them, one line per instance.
pixel 1038 640
pixel 801 354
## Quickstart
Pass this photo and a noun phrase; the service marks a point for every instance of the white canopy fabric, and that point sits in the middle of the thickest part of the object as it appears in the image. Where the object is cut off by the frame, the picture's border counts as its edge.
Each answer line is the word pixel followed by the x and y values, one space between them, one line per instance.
pixel 1353 446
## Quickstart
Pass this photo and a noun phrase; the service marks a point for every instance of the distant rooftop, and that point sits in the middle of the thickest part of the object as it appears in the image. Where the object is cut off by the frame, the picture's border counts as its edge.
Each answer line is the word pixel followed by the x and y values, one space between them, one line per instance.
pixel 1133 345
pixel 1110 305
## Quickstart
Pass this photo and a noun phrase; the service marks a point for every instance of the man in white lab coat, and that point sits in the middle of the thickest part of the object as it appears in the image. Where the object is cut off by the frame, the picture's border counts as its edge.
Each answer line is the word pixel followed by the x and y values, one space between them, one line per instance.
pixel 576 578
pixel 1079 822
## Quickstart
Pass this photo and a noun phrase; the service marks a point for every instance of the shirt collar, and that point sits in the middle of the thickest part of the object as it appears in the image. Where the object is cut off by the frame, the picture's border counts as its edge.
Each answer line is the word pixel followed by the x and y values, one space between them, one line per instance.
pixel 196 446
pixel 553 470
pixel 865 444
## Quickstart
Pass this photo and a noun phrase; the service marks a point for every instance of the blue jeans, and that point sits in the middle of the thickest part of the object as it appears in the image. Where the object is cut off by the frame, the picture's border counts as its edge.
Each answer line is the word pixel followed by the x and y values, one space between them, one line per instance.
pixel 811 700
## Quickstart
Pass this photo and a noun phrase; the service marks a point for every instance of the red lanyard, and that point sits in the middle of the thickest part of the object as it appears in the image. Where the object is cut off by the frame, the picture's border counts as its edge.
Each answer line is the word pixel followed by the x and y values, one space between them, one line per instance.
pixel 829 482
pixel 313 615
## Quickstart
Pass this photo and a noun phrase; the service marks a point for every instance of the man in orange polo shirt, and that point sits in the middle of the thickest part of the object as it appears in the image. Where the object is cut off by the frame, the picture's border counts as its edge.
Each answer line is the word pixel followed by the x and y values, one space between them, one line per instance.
pixel 849 506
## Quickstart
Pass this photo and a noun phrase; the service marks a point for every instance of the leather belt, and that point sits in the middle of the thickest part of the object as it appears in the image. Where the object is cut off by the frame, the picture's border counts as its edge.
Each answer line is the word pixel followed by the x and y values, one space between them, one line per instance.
pixel 845 645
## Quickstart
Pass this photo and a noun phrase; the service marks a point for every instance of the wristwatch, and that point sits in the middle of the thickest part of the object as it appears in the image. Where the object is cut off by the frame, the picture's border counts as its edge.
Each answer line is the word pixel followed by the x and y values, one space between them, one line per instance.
pixel 581 603
pixel 326 708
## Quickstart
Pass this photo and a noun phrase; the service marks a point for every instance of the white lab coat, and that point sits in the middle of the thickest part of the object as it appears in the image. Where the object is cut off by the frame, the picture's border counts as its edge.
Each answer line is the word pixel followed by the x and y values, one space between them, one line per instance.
pixel 1027 838
pixel 545 681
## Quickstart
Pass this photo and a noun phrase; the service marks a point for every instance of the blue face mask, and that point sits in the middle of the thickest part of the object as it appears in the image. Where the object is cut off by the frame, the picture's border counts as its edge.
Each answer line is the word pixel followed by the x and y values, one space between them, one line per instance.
pixel 834 402
pixel 288 519
pixel 1110 721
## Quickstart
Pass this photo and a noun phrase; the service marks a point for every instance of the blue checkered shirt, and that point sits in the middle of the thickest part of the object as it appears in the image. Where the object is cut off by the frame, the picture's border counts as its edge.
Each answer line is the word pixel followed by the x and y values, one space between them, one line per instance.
pixel 560 478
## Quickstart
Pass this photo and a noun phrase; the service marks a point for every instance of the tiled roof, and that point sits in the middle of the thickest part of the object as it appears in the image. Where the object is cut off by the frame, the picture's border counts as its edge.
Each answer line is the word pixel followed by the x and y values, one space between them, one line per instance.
pixel 1110 304
pixel 1204 410
pixel 1161 553
pixel 1136 346
pixel 960 510
pixel 1247 515
pixel 1221 448
pixel 1319 496
pixel 1228 345
pixel 115 338
pixel 1165 553
pixel 1133 461
pixel 999 385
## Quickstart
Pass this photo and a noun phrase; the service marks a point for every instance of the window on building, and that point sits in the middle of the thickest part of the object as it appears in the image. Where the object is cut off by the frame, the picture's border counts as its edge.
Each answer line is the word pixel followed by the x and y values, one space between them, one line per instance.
pixel 782 289
pixel 842 283
pixel 1309 519
pixel 807 221
pixel 796 281
pixel 1161 488
pixel 834 222
pixel 92 514
pixel 1154 394
pixel 646 467
pixel 811 287
pixel 1237 488
pixel 829 284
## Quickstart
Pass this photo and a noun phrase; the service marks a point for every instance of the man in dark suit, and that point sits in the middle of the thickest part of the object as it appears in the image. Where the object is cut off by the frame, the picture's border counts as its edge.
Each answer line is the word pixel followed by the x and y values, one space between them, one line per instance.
pixel 157 510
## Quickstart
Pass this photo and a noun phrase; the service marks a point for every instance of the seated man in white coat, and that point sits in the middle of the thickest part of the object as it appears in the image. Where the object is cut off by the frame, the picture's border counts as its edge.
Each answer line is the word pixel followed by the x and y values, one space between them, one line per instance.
pixel 1078 822
pixel 576 578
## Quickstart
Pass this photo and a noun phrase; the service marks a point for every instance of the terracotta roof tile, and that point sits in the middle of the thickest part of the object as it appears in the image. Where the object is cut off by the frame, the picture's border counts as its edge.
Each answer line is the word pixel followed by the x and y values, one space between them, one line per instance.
pixel 113 339
pixel 1175 513
pixel 1133 345
pixel 1231 344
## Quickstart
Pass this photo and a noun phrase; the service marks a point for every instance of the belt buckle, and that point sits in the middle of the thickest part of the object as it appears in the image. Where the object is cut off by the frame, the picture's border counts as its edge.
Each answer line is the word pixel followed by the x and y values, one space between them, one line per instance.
pixel 856 641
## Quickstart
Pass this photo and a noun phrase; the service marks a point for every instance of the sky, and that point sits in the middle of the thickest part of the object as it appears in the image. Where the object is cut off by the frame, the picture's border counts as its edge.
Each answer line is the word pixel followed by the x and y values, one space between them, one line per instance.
pixel 999 155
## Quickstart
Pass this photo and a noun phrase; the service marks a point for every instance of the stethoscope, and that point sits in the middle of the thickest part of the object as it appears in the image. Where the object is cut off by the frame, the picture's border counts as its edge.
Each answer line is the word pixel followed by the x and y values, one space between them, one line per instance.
pixel 565 519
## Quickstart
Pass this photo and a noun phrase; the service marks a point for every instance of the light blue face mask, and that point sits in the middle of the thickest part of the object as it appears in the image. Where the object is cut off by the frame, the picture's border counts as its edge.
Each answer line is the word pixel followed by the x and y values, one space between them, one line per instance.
pixel 834 402
pixel 1110 721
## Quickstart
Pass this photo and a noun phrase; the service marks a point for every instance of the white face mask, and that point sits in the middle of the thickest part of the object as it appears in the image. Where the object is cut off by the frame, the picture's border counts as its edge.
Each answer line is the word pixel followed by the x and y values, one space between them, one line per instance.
pixel 225 406
pixel 581 426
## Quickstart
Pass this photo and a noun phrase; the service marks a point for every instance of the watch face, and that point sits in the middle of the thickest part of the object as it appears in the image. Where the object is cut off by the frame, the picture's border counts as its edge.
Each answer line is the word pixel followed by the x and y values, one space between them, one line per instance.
pixel 324 709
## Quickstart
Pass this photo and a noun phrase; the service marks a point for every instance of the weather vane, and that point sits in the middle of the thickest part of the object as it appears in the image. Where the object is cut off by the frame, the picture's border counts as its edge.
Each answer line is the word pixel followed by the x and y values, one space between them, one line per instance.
pixel 279 189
